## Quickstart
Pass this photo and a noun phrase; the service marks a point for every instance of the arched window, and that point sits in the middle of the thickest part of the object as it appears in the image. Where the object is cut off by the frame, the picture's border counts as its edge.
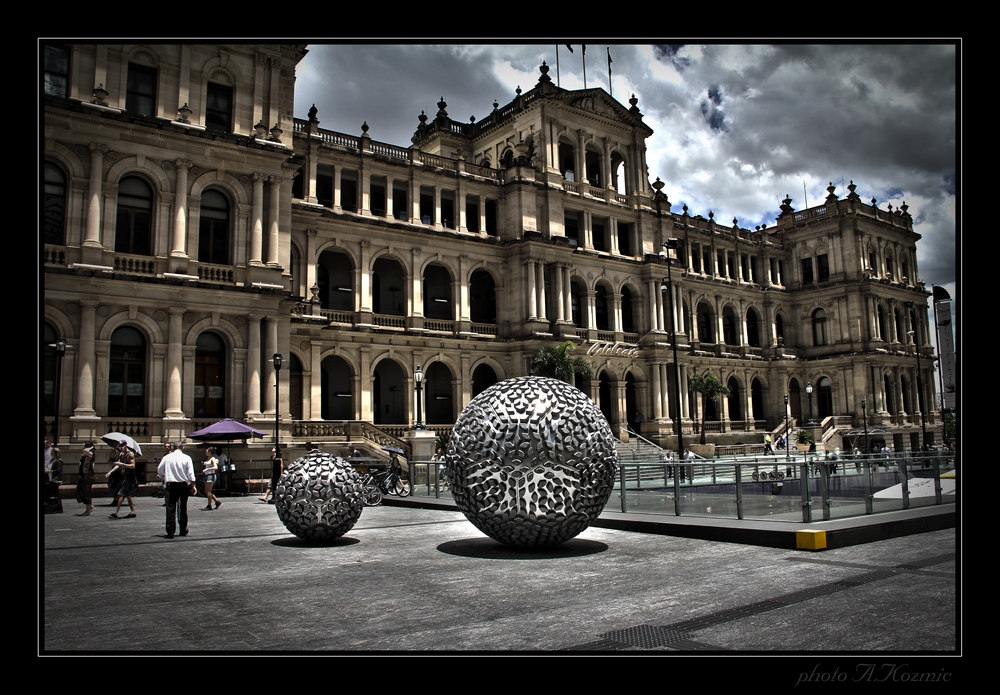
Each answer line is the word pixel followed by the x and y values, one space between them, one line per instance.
pixel 705 322
pixel 338 400
pixel 438 406
pixel 729 328
pixel 482 298
pixel 54 212
pixel 127 374
pixel 213 232
pixel 735 400
pixel 779 328
pixel 135 217
pixel 601 316
pixel 335 278
pixel 753 329
pixel 209 376
pixel 437 292
pixel 483 377
pixel 824 397
pixel 819 327
pixel 628 318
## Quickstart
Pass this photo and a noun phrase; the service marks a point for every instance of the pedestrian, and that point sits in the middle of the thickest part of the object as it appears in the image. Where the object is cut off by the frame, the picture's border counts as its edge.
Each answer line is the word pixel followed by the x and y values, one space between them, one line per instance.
pixel 440 459
pixel 176 470
pixel 85 481
pixel 210 469
pixel 53 503
pixel 356 453
pixel 277 467
pixel 46 467
pixel 124 466
pixel 767 444
pixel 224 468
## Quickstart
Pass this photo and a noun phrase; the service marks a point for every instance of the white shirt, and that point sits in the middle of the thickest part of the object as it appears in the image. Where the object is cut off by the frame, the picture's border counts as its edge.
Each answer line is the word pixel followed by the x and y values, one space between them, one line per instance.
pixel 176 467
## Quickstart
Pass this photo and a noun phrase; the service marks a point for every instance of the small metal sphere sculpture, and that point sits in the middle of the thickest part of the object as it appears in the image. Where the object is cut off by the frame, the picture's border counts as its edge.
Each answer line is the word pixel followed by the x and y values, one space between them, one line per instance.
pixel 531 461
pixel 319 497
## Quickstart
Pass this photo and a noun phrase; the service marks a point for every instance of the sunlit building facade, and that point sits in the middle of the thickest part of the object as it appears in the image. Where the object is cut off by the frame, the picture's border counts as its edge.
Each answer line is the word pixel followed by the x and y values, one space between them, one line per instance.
pixel 192 227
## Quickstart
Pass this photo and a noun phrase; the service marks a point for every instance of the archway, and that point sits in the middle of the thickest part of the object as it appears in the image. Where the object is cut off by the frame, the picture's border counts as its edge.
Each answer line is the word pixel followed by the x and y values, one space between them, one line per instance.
pixel 337 394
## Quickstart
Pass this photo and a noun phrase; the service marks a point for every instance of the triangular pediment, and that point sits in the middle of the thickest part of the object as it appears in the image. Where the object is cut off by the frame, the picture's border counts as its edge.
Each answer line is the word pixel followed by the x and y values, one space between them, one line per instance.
pixel 599 103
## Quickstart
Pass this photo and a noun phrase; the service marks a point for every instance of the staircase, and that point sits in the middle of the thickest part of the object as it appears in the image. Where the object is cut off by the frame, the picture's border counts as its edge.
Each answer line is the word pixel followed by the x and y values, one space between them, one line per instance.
pixel 643 451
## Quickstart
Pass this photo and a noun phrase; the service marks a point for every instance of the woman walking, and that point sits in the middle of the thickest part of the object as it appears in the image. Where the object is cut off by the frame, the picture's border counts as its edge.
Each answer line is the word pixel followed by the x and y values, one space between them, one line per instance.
pixel 277 467
pixel 86 480
pixel 211 473
pixel 124 465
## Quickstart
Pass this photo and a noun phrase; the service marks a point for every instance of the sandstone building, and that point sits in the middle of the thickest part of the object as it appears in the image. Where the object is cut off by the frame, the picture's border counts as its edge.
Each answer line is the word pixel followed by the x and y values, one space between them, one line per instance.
pixel 193 227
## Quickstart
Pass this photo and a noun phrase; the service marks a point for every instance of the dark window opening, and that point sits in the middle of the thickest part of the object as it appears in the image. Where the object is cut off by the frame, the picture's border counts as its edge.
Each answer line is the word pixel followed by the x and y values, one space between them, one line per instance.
pixel 823 267
pixel 56 71
pixel 219 108
pixel 140 97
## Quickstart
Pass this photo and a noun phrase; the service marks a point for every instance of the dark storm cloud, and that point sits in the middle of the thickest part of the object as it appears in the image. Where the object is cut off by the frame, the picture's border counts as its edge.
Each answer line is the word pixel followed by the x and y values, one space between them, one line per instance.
pixel 736 127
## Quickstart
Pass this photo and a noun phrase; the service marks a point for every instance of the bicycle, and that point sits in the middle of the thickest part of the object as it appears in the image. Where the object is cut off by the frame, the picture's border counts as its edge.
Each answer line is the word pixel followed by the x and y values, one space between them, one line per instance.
pixel 392 482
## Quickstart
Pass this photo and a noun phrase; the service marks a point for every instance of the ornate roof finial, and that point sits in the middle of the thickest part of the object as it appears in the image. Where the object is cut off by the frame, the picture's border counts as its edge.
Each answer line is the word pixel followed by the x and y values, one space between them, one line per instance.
pixel 364 128
pixel 312 114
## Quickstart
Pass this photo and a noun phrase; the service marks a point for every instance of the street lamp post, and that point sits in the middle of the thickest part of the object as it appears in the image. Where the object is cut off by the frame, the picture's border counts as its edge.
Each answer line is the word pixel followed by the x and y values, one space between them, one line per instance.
pixel 920 391
pixel 276 360
pixel 659 197
pixel 787 445
pixel 418 382
pixel 809 390
pixel 60 346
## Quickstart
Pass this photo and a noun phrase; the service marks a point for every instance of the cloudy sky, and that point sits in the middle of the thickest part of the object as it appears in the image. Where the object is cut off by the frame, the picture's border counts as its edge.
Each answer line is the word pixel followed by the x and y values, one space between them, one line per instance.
pixel 736 127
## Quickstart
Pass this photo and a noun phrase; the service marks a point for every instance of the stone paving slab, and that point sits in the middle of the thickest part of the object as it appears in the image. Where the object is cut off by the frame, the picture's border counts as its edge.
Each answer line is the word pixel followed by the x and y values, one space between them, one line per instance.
pixel 408 581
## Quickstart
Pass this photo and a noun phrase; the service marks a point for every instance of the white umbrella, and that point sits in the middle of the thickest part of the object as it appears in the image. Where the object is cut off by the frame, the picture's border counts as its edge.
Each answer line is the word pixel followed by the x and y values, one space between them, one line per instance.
pixel 113 439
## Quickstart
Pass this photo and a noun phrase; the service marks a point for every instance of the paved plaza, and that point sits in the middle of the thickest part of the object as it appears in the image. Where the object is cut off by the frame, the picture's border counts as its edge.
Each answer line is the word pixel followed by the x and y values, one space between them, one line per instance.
pixel 409 580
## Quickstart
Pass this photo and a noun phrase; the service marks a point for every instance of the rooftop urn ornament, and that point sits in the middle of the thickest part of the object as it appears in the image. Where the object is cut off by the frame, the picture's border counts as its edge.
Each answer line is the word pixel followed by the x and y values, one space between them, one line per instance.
pixel 312 114
pixel 319 497
pixel 276 132
pixel 260 130
pixel 184 113
pixel 531 461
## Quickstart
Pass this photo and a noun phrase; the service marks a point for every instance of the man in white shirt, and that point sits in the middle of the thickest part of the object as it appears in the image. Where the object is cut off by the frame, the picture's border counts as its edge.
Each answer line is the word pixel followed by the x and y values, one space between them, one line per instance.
pixel 176 470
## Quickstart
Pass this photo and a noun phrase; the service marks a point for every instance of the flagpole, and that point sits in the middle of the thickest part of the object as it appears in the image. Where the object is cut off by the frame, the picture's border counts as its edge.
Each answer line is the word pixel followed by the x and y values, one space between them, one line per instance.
pixel 584 51
pixel 558 83
pixel 611 91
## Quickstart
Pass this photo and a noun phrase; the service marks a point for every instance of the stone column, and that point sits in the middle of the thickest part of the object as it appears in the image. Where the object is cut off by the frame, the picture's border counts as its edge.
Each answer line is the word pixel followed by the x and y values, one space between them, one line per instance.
pixel 86 360
pixel 257 221
pixel 172 405
pixel 540 288
pixel 314 397
pixel 93 230
pixel 179 245
pixel 253 366
pixel 654 373
pixel 274 190
pixel 529 269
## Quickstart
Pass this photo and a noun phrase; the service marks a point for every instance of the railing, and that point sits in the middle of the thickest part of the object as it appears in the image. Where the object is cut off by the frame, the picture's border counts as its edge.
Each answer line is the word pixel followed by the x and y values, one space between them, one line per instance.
pixel 135 265
pixel 769 488
pixel 221 274
pixel 441 326
pixel 389 321
pixel 484 329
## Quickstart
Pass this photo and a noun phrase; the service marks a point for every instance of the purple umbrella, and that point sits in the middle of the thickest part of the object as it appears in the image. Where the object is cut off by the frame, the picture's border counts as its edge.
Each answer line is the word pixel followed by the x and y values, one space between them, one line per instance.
pixel 226 430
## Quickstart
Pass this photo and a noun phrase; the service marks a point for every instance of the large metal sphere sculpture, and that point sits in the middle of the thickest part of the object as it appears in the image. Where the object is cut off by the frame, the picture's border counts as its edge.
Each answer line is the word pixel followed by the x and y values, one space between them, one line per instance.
pixel 319 497
pixel 531 461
